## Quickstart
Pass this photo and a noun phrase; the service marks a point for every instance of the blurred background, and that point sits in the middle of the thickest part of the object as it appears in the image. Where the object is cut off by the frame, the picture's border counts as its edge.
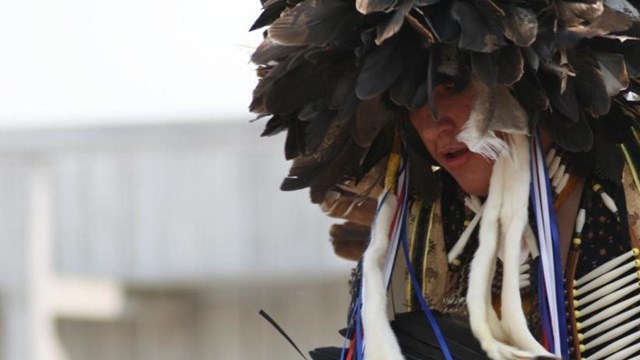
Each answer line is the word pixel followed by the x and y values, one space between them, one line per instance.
pixel 140 216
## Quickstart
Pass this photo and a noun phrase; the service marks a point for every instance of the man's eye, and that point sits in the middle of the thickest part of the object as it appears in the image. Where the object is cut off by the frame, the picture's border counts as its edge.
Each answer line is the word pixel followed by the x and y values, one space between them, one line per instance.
pixel 446 88
pixel 450 85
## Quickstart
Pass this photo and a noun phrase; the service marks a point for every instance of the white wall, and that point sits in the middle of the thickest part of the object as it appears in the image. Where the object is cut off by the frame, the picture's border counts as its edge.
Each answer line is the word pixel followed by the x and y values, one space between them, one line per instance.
pixel 192 209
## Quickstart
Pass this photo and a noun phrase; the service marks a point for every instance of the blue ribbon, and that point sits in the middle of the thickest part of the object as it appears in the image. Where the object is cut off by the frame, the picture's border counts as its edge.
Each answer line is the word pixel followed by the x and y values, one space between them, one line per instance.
pixel 556 258
pixel 444 348
pixel 359 338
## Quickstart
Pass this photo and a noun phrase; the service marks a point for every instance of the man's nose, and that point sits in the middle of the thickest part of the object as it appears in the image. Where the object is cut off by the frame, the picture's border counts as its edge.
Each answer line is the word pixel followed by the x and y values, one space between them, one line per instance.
pixel 444 125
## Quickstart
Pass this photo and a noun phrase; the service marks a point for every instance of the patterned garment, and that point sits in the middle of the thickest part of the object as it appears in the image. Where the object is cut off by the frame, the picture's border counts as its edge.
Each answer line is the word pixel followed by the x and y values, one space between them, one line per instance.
pixel 604 237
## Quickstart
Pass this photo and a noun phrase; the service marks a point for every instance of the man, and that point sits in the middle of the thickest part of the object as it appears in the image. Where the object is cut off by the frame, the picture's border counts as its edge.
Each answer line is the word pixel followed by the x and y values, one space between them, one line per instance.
pixel 458 102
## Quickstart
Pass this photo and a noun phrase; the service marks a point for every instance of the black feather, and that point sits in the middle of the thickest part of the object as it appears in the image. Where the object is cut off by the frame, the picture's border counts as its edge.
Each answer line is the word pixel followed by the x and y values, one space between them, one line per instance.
pixel 443 22
pixel 369 6
pixel 403 92
pixel 281 99
pixel 337 169
pixel 485 68
pixel 510 65
pixel 319 122
pixel 392 25
pixel 520 25
pixel 379 149
pixel 304 172
pixel 546 43
pixel 275 125
pixel 327 163
pixel 504 66
pixel 565 102
pixel 326 353
pixel 294 144
pixel 417 340
pixel 590 89
pixel 530 93
pixel 616 124
pixel 531 58
pixel 270 13
pixel 423 26
pixel 479 33
pixel 343 95
pixel 614 72
pixel 271 74
pixel 574 137
pixel 629 48
pixel 380 69
pixel 607 158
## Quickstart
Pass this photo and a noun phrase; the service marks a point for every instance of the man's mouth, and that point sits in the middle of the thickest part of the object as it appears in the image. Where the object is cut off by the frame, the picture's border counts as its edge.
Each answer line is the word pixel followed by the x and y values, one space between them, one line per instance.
pixel 455 154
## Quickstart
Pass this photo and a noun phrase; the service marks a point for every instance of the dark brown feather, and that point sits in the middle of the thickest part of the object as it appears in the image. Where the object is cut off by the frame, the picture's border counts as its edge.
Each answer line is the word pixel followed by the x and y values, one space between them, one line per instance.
pixel 269 51
pixel 577 13
pixel 349 239
pixel 339 170
pixel 607 23
pixel 371 117
pixel 312 22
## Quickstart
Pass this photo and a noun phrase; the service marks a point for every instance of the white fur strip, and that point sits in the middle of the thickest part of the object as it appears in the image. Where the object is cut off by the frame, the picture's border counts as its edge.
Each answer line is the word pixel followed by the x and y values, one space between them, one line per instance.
pixel 380 341
pixel 506 205
pixel 514 218
pixel 482 269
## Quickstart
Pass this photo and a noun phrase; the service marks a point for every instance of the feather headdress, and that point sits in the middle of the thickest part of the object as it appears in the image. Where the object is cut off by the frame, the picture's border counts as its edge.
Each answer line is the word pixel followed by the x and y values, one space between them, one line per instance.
pixel 341 75
pixel 337 75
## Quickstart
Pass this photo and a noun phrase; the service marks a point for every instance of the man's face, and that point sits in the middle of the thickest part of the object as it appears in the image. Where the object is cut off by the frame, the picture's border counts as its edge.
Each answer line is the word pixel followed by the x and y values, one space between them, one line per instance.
pixel 471 171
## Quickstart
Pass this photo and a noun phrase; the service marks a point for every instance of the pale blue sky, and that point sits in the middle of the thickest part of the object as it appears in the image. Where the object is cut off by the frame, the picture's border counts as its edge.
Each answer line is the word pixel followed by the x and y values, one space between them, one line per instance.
pixel 68 62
